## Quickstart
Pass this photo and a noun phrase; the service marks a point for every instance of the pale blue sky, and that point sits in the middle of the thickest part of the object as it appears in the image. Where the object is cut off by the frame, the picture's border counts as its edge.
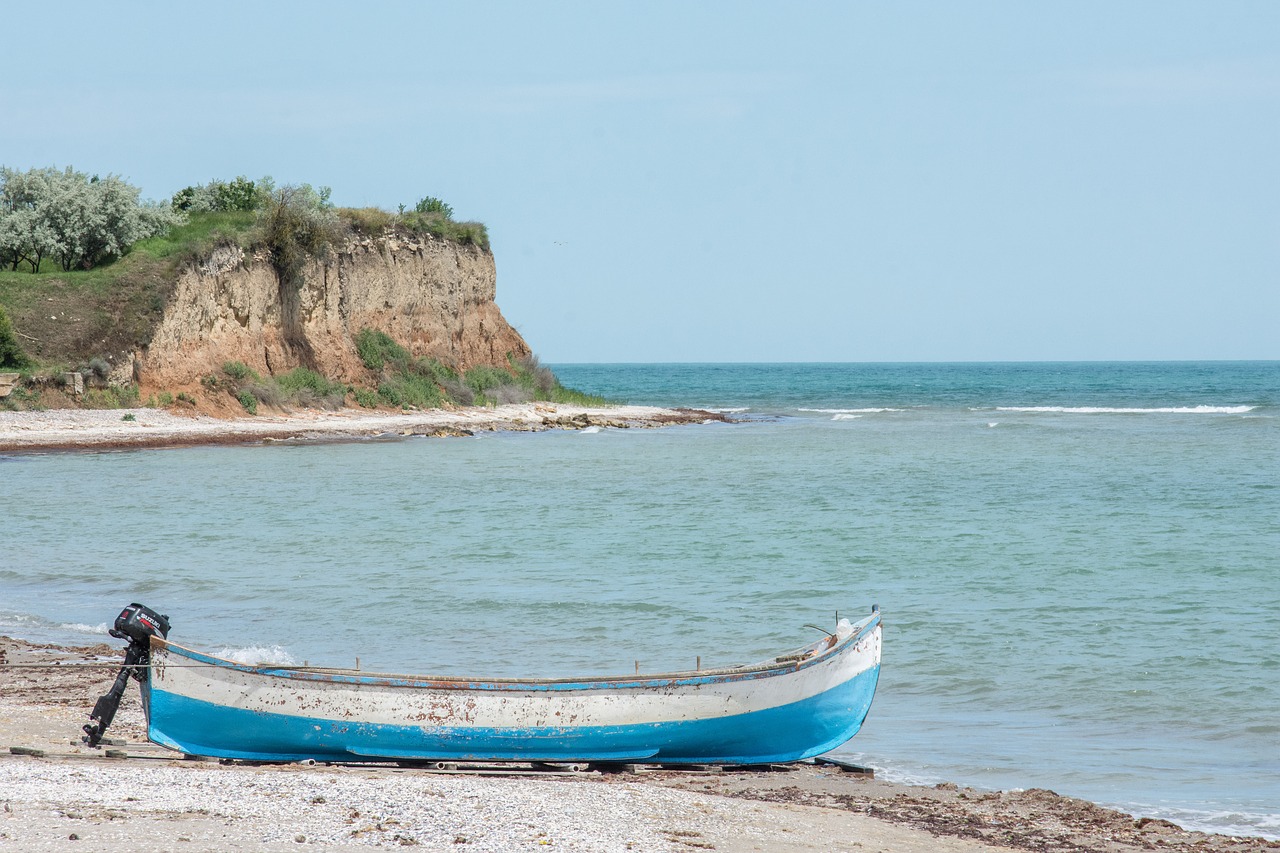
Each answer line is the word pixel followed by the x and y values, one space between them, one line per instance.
pixel 734 181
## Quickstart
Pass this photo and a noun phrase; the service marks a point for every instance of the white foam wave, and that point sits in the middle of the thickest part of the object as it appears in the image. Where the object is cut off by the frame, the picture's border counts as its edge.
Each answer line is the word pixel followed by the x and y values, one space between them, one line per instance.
pixel 1226 821
pixel 591 430
pixel 849 411
pixel 1107 410
pixel 256 655
pixel 81 628
pixel 724 410
pixel 993 424
pixel 844 417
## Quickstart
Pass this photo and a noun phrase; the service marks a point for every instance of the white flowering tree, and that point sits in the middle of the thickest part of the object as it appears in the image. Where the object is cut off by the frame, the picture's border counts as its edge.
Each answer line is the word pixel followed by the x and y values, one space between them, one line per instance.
pixel 81 221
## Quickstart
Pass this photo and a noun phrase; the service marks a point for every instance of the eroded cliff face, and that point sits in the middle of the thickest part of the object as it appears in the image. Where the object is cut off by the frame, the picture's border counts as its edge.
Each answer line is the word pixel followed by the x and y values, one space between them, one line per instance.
pixel 433 296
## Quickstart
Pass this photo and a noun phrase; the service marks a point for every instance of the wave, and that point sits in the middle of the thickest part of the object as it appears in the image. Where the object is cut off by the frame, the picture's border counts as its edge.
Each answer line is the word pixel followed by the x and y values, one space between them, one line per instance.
pixel 30 626
pixel 81 628
pixel 850 411
pixel 256 655
pixel 1108 410
pixel 1224 821
pixel 844 417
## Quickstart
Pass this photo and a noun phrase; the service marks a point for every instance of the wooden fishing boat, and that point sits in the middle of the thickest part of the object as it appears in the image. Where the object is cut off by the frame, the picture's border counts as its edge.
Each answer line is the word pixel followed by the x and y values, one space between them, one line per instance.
pixel 790 707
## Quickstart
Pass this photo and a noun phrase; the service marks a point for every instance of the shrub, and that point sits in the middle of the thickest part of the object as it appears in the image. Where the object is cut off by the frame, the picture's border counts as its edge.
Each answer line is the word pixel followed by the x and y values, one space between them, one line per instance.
pixel 438 225
pixel 240 194
pixel 298 224
pixel 532 374
pixel 366 397
pixel 115 397
pixel 266 392
pixel 308 388
pixel 11 354
pixel 367 220
pixel 457 391
pixel 97 367
pixel 249 401
pixel 411 389
pixel 240 372
pixel 431 204
pixel 483 378
pixel 377 348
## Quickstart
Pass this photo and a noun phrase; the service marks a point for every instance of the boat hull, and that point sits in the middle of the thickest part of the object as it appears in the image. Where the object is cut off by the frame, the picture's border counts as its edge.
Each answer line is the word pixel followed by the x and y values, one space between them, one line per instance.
pixel 203 705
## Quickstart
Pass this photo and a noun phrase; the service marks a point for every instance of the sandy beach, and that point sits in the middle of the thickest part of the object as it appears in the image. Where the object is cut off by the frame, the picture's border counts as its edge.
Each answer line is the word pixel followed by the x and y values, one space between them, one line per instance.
pixel 106 429
pixel 58 794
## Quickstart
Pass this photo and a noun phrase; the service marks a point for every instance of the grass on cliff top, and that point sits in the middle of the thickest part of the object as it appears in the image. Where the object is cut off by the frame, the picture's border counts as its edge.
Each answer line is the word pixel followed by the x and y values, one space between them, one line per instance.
pixel 65 318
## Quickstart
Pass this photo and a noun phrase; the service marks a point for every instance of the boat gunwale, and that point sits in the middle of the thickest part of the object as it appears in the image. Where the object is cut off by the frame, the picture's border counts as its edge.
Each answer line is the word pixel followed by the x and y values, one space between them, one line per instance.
pixel 774 667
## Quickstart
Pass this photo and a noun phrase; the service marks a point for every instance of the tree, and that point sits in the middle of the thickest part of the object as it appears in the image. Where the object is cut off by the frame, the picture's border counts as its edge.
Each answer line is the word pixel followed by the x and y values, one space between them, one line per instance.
pixel 82 221
pixel 24 234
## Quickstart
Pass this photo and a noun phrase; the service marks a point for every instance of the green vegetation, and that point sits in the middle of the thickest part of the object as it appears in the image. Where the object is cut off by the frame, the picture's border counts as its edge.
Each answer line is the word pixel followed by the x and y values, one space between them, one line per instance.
pixel 298 387
pixel 431 204
pixel 425 382
pixel 113 397
pixel 11 354
pixel 240 194
pixel 80 221
pixel 438 225
pixel 376 349
pixel 297 224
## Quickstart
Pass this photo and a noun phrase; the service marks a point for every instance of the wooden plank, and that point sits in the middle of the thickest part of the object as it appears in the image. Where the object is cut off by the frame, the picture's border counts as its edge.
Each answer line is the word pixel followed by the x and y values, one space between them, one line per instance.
pixel 847 766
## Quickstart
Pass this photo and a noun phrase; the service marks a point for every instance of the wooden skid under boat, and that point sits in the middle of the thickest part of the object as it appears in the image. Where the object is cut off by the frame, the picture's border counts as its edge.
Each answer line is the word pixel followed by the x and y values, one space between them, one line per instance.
pixel 791 707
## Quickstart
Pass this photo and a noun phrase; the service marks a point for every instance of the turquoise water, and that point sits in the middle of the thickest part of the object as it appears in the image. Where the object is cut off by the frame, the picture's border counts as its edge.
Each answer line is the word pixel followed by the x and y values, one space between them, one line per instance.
pixel 1079 564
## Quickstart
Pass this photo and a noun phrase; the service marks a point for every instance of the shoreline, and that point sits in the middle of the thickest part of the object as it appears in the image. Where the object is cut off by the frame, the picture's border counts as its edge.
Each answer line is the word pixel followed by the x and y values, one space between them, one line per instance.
pixel 146 796
pixel 108 429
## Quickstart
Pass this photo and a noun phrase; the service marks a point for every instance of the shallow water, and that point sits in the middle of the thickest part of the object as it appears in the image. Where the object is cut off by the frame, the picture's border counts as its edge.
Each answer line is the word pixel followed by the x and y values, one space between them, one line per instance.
pixel 1078 564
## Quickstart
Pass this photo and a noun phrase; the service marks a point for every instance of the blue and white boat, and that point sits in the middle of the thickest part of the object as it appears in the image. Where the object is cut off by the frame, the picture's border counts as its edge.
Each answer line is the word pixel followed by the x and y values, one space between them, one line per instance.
pixel 794 706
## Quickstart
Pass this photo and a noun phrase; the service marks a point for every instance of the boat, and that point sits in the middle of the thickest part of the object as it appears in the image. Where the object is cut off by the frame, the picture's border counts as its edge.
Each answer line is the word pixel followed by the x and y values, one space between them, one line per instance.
pixel 790 707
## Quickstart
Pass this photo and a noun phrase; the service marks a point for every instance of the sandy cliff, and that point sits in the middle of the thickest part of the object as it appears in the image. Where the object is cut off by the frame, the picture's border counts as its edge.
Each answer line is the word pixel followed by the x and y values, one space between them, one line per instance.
pixel 434 296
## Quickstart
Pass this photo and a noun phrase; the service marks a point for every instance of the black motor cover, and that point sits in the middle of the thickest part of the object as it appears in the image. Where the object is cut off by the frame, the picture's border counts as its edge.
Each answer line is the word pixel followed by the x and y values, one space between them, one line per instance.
pixel 137 623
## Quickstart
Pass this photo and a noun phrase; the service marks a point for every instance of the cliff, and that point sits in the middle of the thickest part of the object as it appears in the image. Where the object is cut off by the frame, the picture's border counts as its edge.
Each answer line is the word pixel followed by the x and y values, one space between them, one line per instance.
pixel 434 296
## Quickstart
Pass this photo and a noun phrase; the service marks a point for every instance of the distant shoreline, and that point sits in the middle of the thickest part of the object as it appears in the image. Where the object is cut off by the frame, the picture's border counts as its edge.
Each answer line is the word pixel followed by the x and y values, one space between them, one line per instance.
pixel 65 793
pixel 120 429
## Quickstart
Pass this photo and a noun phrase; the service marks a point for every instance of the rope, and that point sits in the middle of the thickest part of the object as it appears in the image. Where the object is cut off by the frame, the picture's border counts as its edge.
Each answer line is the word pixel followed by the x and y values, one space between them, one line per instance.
pixel 127 666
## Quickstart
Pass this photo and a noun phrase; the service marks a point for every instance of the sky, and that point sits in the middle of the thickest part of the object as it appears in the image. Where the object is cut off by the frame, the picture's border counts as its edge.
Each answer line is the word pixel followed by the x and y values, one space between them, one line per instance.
pixel 734 181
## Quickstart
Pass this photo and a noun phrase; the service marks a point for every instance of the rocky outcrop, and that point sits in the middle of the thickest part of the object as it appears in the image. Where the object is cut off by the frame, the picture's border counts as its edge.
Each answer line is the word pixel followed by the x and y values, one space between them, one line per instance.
pixel 433 296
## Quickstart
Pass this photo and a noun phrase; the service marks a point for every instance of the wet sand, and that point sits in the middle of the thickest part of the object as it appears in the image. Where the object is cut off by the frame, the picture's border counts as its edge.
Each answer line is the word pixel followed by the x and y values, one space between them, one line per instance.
pixel 135 795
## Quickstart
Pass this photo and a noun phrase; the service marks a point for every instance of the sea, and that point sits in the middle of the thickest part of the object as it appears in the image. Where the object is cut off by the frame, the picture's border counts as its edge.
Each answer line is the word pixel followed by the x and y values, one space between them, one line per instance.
pixel 1078 564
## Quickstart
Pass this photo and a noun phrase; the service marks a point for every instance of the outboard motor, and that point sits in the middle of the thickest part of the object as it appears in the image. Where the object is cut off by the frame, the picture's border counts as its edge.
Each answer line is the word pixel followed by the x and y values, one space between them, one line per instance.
pixel 137 624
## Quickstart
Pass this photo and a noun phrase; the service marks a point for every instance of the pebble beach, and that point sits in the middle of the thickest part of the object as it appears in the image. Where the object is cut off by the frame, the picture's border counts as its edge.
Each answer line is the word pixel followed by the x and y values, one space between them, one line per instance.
pixel 106 429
